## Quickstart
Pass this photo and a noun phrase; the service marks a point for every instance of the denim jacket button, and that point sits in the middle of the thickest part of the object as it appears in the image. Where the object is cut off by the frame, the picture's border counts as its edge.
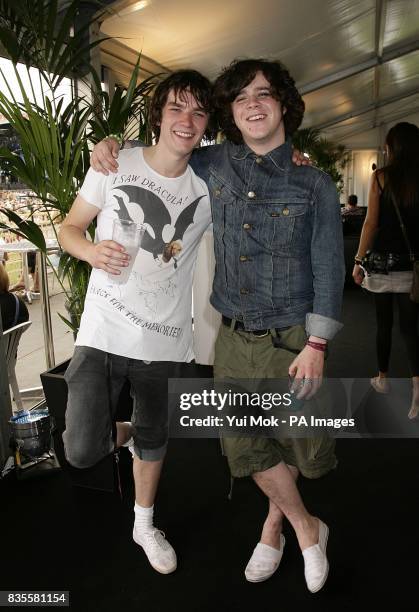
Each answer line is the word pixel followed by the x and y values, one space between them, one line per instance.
pixel 244 291
pixel 251 194
pixel 247 226
pixel 217 192
pixel 286 211
pixel 258 160
pixel 243 258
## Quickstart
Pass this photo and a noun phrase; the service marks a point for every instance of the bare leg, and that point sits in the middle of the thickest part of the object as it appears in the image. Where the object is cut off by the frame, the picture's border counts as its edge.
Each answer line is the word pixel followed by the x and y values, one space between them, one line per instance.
pixel 146 477
pixel 159 552
pixel 279 485
pixel 272 527
pixel 35 278
pixel 123 433
pixel 146 473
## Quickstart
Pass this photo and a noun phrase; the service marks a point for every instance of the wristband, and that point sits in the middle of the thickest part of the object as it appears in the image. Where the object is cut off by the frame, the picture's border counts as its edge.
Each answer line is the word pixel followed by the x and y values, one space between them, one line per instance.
pixel 318 346
pixel 117 137
pixel 358 260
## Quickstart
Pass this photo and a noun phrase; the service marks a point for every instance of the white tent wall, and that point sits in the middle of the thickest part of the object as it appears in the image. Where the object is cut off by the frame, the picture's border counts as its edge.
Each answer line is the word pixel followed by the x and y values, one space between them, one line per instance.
pixel 355 61
pixel 357 175
pixel 358 170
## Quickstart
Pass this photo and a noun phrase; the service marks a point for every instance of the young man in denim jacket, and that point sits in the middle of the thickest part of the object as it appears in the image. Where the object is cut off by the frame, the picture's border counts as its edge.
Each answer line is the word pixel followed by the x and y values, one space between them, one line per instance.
pixel 278 285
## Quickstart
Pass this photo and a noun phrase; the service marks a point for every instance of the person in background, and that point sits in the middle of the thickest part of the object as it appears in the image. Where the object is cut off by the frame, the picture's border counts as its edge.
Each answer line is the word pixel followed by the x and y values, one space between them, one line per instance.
pixel 13 310
pixel 397 184
pixel 3 254
pixel 352 207
pixel 33 270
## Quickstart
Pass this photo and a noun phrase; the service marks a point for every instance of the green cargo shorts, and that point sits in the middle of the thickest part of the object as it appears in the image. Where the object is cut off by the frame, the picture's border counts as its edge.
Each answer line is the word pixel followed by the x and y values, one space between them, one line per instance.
pixel 242 355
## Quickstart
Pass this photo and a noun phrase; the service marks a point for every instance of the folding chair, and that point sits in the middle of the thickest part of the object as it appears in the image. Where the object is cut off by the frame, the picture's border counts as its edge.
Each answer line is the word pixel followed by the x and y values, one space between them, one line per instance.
pixel 12 339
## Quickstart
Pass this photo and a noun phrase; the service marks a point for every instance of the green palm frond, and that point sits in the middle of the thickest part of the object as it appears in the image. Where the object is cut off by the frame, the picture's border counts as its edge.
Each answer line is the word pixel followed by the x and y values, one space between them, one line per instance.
pixel 306 139
pixel 54 135
pixel 324 153
pixel 126 112
pixel 25 228
pixel 52 148
pixel 36 33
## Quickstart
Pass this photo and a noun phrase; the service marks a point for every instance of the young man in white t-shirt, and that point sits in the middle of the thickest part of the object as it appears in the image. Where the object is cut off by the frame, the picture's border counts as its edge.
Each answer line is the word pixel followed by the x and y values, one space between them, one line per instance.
pixel 140 330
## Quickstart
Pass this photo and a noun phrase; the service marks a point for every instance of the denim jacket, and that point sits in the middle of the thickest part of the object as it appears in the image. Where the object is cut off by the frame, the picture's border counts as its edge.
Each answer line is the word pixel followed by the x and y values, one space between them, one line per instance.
pixel 277 237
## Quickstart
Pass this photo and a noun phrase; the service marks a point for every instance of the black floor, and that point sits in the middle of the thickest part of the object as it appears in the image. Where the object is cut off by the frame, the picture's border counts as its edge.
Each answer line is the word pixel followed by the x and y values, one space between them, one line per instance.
pixel 55 536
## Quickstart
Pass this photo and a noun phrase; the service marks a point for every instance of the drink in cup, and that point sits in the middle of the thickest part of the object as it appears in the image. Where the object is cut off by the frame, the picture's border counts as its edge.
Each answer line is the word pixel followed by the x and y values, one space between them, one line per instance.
pixel 129 235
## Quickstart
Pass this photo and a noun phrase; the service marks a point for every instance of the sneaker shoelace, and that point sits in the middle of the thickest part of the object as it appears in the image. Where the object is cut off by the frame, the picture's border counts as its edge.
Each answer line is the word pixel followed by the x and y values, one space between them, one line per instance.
pixel 157 539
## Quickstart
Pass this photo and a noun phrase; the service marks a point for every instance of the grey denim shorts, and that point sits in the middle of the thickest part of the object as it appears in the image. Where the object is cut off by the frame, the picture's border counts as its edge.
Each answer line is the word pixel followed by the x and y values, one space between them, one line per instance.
pixel 95 379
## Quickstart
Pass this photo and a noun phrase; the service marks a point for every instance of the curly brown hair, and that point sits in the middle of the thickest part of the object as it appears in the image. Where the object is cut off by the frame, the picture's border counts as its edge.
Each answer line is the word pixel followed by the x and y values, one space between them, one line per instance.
pixel 181 81
pixel 242 72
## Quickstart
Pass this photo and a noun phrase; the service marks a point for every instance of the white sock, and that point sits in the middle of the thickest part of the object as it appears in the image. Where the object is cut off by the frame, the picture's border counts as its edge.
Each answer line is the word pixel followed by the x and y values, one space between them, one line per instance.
pixel 143 517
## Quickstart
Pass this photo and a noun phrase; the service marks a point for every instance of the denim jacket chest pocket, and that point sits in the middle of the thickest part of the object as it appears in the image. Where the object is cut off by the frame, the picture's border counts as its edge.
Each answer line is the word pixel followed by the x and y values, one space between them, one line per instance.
pixel 286 225
pixel 224 207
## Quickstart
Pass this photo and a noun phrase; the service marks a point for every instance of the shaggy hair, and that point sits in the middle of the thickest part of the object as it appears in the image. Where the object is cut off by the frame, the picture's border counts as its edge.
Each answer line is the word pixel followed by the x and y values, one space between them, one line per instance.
pixel 180 82
pixel 242 72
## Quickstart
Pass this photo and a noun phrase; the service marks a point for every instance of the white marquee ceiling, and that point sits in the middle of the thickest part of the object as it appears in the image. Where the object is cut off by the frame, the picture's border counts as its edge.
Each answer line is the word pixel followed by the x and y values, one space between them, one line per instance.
pixel 356 61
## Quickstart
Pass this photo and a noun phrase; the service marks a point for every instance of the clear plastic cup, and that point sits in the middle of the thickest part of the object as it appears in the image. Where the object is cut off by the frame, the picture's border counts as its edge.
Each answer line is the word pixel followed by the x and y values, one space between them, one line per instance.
pixel 129 235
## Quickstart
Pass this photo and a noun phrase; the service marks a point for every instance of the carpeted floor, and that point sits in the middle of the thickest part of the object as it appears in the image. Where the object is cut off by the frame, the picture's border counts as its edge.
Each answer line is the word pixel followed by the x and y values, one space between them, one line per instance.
pixel 55 536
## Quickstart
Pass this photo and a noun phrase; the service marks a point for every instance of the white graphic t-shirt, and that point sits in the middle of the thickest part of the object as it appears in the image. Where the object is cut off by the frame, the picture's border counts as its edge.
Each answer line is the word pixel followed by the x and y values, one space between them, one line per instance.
pixel 149 317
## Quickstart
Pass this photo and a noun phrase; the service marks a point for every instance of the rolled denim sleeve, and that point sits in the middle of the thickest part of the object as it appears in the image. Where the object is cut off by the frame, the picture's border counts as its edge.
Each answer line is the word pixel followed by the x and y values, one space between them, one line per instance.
pixel 327 259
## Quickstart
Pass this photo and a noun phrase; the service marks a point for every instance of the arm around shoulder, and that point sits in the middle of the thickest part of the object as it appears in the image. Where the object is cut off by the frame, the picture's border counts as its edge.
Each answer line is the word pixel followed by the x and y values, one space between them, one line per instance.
pixel 105 154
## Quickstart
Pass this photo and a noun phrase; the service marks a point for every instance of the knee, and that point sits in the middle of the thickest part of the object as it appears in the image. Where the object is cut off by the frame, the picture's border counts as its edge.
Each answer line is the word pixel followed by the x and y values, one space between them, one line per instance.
pixel 81 456
pixel 153 438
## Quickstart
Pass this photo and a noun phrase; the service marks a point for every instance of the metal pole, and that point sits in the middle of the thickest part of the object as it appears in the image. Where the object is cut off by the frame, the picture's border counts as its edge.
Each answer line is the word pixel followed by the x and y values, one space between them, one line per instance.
pixel 5 402
pixel 46 310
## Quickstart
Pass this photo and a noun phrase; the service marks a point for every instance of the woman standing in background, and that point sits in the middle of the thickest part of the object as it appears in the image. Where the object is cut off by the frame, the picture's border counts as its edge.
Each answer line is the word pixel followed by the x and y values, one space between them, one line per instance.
pixel 397 184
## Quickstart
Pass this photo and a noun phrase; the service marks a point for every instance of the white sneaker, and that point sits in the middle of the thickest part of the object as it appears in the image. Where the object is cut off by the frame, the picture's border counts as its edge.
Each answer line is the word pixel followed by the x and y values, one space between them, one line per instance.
pixel 264 562
pixel 159 552
pixel 316 566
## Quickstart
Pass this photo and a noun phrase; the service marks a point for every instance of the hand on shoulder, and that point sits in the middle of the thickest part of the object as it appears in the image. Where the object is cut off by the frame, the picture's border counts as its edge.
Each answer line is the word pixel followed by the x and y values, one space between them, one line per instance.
pixel 104 156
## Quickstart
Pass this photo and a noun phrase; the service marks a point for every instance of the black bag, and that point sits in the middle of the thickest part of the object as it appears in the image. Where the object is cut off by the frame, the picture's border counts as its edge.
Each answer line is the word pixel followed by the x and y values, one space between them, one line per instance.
pixel 375 262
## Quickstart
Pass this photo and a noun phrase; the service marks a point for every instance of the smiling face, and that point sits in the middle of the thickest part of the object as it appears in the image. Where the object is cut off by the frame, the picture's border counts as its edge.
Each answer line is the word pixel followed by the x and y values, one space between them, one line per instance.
pixel 259 116
pixel 183 123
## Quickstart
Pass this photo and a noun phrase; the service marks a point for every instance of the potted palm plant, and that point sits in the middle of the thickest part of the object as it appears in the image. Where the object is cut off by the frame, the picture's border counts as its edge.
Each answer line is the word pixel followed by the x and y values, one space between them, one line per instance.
pixel 55 134
pixel 327 155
